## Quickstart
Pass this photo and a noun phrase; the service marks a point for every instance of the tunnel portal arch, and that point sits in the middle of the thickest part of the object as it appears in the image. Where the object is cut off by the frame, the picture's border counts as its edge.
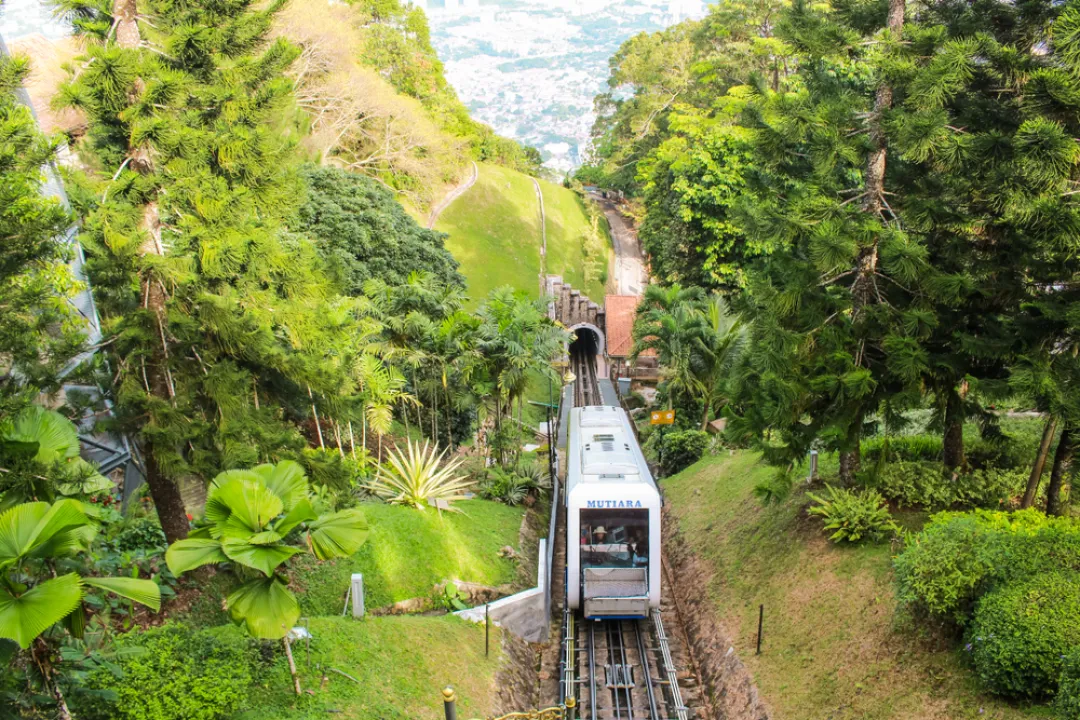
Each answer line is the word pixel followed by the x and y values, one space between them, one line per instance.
pixel 598 339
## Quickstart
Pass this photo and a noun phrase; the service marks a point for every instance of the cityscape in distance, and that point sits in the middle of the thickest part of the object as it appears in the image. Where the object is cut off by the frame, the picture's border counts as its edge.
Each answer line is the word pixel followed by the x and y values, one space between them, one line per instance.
pixel 531 69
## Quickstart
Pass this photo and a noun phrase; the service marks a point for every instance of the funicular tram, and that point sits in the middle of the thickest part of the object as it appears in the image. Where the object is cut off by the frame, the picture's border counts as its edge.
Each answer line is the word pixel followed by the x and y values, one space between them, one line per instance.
pixel 612 520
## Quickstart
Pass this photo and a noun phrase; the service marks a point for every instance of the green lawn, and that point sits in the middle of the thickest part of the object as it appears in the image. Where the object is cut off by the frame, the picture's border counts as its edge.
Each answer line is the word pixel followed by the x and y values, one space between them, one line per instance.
pixel 574 249
pixel 402 663
pixel 833 644
pixel 409 552
pixel 494 232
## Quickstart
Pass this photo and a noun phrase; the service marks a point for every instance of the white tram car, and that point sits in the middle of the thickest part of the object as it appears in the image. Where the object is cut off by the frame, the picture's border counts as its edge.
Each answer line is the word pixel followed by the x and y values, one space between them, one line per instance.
pixel 612 518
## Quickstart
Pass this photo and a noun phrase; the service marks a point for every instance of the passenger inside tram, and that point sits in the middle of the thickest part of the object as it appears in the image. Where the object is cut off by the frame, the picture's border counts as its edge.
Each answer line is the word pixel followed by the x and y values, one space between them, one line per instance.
pixel 614 538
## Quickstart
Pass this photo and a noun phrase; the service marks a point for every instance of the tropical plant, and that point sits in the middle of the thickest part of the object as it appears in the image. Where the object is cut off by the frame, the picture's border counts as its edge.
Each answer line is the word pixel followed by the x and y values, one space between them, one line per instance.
pixel 34 538
pixel 40 452
pixel 420 477
pixel 257 520
pixel 853 515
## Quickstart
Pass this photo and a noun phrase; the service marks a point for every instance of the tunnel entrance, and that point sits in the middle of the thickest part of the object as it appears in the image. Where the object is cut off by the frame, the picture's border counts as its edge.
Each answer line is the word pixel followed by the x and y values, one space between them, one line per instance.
pixel 587 340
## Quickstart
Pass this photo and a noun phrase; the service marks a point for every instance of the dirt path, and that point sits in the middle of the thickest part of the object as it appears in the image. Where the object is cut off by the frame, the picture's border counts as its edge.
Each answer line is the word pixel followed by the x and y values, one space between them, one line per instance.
pixel 630 276
pixel 452 196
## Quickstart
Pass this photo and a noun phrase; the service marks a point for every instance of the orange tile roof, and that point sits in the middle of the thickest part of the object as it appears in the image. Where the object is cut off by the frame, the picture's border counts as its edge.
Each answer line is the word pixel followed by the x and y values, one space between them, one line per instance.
pixel 619 313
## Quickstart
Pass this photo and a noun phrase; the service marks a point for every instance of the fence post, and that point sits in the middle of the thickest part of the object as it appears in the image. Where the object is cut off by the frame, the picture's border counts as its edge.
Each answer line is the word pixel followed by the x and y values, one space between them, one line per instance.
pixel 487 627
pixel 760 621
pixel 449 702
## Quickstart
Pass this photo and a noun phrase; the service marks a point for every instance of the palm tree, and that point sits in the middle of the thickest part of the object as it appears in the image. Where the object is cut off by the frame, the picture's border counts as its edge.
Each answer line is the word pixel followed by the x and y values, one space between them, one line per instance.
pixel 718 350
pixel 516 338
pixel 34 537
pixel 670 321
pixel 382 387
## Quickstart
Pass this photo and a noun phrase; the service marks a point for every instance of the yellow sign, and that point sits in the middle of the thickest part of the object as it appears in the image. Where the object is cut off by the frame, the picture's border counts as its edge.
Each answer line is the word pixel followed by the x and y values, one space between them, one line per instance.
pixel 662 417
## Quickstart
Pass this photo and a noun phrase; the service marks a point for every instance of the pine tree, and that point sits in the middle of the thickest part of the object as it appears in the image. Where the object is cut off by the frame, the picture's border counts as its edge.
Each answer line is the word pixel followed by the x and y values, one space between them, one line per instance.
pixel 221 321
pixel 39 330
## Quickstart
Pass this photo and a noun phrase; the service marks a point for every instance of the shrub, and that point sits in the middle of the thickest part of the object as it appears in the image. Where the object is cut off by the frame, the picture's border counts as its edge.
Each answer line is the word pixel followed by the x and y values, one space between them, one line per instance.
pixel 140 534
pixel 855 515
pixel 504 486
pixel 928 485
pixel 903 448
pixel 916 484
pixel 1021 632
pixel 1067 703
pixel 958 557
pixel 174 673
pixel 682 449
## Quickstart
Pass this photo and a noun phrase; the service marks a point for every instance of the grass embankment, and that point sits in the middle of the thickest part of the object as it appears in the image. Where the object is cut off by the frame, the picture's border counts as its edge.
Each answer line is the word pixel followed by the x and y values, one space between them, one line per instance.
pixel 833 646
pixel 401 665
pixel 407 553
pixel 494 232
pixel 576 249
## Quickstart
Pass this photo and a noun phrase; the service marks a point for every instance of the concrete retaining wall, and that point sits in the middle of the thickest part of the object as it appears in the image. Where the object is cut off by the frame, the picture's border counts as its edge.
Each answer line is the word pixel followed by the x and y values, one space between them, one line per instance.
pixel 525 613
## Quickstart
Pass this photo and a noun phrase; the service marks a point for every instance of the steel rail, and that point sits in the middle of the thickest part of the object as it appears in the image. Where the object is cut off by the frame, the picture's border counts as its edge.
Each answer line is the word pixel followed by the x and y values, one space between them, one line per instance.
pixel 592 670
pixel 669 668
pixel 654 711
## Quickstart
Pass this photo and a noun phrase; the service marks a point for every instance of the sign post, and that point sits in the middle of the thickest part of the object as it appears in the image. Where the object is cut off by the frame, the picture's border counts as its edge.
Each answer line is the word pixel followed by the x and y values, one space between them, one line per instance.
pixel 662 417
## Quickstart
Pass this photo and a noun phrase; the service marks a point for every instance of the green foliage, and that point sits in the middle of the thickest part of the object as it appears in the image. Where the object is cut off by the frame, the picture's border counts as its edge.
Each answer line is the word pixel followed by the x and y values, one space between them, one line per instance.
pixel 422 476
pixel 363 232
pixel 853 515
pixel 904 448
pixel 1067 701
pixel 959 557
pixel 40 332
pixel 34 537
pixel 40 452
pixel 929 485
pixel 680 450
pixel 251 515
pixel 1020 634
pixel 511 486
pixel 174 673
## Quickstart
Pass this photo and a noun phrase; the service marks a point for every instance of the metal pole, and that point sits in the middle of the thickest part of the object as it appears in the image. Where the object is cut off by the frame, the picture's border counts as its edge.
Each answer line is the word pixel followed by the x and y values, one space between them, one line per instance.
pixel 487 628
pixel 449 701
pixel 760 621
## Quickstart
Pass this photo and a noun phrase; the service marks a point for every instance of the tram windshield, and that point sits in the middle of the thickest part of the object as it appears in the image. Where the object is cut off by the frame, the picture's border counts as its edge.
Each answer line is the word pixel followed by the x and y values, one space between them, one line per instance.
pixel 614 538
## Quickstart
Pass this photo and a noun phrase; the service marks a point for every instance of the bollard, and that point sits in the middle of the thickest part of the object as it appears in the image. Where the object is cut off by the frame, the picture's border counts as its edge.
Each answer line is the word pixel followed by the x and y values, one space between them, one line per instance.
pixel 449 701
pixel 813 466
pixel 357 591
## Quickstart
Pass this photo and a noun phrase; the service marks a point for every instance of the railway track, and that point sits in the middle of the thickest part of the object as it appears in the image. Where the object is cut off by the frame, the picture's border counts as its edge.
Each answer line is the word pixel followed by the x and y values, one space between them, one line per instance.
pixel 586 389
pixel 625 669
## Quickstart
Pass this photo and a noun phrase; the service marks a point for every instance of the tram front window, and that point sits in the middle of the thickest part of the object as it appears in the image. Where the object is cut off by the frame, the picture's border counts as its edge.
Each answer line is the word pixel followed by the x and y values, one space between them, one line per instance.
pixel 614 538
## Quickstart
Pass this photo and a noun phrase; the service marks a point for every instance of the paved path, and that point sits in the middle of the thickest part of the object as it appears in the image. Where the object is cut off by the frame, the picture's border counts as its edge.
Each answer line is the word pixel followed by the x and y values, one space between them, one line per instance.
pixel 630 275
pixel 452 196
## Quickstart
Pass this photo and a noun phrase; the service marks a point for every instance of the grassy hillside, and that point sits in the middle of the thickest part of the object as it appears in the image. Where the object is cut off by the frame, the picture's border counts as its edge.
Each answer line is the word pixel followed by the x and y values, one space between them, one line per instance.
pixel 494 231
pixel 833 644
pixel 396 680
pixel 576 249
pixel 409 552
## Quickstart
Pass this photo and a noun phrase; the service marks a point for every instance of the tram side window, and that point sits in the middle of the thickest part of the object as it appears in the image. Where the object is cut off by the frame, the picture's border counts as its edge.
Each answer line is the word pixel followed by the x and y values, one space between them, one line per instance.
pixel 614 538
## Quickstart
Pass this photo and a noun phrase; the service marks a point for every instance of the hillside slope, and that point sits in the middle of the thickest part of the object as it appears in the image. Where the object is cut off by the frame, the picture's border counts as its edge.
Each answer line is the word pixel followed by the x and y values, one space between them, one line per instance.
pixel 495 233
pixel 834 646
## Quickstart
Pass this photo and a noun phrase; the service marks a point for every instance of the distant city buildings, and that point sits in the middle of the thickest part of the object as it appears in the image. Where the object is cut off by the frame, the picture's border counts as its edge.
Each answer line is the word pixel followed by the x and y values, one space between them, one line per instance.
pixel 530 68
